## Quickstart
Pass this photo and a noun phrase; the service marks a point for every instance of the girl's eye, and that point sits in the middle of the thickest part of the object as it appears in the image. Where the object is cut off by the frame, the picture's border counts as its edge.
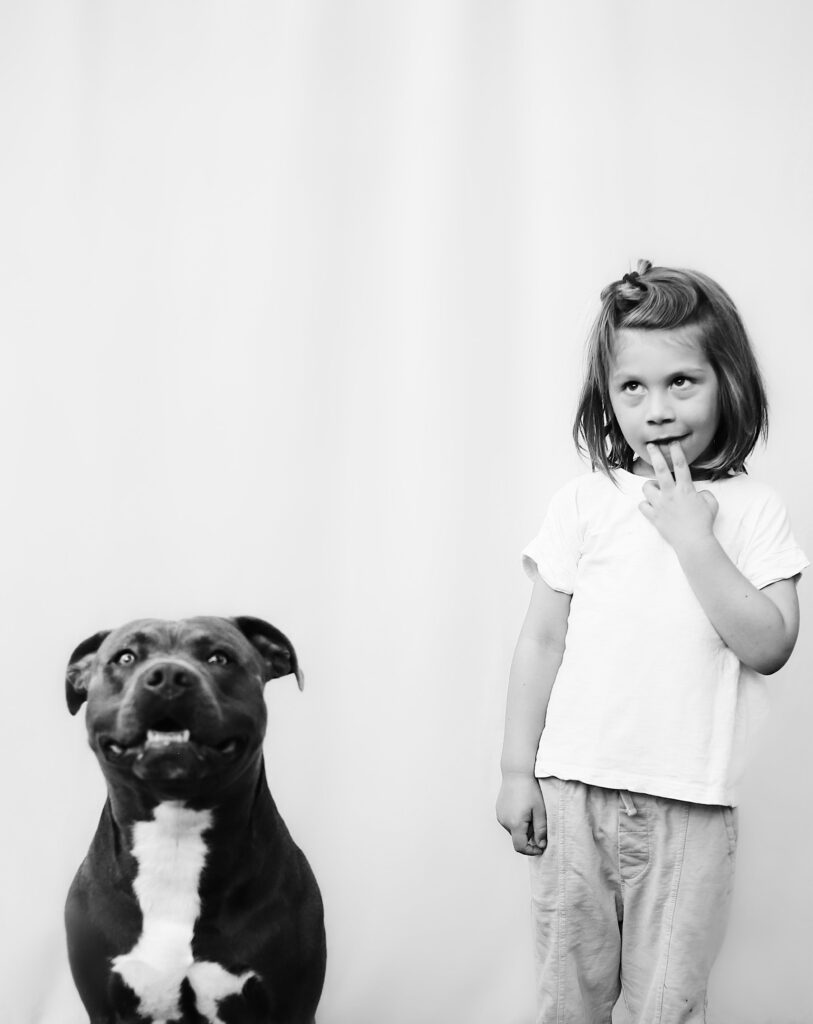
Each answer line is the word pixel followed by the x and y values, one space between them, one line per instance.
pixel 125 658
pixel 217 658
pixel 631 386
pixel 680 382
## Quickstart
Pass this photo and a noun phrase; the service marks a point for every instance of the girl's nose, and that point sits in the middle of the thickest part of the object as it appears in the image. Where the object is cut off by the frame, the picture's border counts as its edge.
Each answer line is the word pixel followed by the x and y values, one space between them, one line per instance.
pixel 659 408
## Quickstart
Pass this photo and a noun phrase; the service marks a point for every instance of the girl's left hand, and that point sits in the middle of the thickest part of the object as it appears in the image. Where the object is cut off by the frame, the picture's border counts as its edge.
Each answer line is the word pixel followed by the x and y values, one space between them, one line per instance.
pixel 680 513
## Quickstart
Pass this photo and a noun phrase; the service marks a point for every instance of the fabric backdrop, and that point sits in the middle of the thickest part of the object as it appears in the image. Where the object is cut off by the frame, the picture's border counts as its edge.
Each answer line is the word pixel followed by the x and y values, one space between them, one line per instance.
pixel 294 299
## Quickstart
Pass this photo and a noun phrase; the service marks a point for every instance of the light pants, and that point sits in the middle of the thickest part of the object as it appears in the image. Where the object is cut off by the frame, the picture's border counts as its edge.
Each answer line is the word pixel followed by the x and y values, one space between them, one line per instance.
pixel 631 895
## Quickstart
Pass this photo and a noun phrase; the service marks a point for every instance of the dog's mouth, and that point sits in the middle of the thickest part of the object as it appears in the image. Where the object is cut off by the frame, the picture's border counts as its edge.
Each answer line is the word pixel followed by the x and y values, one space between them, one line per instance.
pixel 167 736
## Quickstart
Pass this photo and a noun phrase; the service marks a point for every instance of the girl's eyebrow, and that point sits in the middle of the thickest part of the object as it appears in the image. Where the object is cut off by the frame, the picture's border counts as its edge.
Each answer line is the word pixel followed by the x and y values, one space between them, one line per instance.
pixel 683 371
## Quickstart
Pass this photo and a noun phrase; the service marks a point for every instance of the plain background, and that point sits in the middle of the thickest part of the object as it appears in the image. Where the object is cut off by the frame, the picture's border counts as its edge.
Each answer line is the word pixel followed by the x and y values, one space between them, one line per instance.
pixel 293 303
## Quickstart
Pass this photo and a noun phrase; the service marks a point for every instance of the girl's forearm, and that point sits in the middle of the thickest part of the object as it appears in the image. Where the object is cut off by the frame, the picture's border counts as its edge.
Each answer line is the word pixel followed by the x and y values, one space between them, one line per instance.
pixel 533 672
pixel 748 621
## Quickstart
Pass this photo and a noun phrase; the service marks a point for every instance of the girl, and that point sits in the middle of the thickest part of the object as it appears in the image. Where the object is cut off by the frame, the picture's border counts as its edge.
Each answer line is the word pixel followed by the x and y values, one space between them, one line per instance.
pixel 664 585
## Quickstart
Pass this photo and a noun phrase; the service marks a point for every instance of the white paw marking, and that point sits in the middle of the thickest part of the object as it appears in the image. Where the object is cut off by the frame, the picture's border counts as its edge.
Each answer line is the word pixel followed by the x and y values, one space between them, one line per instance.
pixel 211 982
pixel 170 852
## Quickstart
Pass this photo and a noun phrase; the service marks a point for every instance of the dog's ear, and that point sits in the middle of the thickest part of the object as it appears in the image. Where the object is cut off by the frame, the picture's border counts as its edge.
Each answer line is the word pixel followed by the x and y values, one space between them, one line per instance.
pixel 77 675
pixel 276 650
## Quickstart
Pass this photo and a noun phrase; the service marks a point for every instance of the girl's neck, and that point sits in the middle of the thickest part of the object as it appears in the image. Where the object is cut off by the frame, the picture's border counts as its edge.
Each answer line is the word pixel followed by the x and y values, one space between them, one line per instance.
pixel 643 469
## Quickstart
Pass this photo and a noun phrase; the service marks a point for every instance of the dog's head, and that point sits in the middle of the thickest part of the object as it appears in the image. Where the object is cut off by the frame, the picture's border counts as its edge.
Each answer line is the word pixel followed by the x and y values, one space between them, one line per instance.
pixel 177 706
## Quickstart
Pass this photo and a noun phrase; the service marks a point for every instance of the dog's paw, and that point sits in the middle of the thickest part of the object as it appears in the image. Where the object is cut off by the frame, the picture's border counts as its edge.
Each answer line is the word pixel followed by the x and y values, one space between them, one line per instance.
pixel 226 998
pixel 125 1002
pixel 250 1007
pixel 145 991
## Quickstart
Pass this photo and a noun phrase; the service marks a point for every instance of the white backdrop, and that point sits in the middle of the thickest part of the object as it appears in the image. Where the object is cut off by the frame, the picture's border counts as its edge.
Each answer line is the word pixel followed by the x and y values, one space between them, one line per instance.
pixel 294 297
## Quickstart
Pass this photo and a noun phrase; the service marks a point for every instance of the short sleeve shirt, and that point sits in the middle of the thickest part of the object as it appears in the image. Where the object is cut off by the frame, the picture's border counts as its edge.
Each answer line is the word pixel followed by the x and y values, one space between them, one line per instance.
pixel 648 697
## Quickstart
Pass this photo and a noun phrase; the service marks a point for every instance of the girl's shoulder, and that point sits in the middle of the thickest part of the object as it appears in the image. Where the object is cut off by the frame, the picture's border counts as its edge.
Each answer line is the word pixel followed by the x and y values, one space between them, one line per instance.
pixel 743 491
pixel 598 485
pixel 592 492
pixel 754 527
pixel 576 489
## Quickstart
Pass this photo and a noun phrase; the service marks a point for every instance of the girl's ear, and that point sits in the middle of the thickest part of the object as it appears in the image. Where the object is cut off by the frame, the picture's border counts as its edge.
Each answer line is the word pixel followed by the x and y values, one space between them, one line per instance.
pixel 80 666
pixel 276 650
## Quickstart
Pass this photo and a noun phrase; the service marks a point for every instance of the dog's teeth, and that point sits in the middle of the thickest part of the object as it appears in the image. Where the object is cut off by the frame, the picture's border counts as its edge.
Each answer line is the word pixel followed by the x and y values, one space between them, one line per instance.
pixel 165 738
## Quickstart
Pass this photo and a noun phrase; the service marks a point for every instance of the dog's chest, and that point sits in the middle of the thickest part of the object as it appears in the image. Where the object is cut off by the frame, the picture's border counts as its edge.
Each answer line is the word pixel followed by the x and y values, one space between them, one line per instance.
pixel 170 852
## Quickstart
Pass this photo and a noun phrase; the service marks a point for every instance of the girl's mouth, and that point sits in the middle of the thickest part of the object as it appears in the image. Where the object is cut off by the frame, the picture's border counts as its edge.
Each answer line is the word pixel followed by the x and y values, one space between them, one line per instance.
pixel 668 440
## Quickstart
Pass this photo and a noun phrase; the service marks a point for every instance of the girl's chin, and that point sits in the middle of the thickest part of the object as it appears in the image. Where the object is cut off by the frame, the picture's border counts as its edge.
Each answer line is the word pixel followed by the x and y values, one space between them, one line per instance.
pixel 643 467
pixel 640 467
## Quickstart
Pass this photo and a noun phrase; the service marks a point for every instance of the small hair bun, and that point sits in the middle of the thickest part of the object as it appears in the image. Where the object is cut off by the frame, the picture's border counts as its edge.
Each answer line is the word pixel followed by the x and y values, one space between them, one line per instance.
pixel 631 289
pixel 634 276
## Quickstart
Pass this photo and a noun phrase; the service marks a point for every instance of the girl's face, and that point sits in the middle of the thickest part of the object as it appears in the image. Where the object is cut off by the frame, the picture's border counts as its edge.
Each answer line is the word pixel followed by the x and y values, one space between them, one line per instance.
pixel 662 387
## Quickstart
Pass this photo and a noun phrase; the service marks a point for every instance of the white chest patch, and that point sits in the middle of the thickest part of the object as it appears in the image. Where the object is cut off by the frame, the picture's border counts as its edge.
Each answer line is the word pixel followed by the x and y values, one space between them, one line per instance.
pixel 171 852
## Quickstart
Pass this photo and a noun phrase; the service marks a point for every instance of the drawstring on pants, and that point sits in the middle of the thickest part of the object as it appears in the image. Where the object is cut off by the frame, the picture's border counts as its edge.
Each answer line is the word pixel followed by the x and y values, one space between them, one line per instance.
pixel 629 807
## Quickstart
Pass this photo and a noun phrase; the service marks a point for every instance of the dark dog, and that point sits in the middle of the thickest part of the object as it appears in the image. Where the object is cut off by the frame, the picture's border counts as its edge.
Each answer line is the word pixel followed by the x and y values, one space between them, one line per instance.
pixel 193 904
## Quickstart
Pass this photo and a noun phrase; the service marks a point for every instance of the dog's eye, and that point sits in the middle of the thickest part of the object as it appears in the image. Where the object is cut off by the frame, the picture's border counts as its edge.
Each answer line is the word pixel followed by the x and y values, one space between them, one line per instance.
pixel 217 658
pixel 125 658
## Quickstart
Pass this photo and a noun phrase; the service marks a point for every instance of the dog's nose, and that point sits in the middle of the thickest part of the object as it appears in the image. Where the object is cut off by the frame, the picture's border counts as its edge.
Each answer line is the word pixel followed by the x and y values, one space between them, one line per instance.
pixel 168 680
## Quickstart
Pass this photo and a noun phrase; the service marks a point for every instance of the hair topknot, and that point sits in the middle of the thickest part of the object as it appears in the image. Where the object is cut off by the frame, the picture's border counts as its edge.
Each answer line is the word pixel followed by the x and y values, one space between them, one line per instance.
pixel 662 298
pixel 630 289
pixel 654 297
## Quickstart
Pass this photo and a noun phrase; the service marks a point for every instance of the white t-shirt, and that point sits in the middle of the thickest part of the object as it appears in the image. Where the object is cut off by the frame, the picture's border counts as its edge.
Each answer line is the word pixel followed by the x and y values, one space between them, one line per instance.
pixel 648 698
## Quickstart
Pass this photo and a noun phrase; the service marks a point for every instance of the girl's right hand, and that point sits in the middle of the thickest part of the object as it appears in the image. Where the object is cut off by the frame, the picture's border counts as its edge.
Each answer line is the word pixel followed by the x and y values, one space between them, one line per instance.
pixel 521 811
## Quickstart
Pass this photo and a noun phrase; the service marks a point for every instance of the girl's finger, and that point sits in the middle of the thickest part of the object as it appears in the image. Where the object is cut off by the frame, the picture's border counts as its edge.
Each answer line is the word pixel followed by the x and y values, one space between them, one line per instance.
pixel 540 836
pixel 660 466
pixel 523 840
pixel 683 475
pixel 647 510
pixel 710 500
pixel 651 490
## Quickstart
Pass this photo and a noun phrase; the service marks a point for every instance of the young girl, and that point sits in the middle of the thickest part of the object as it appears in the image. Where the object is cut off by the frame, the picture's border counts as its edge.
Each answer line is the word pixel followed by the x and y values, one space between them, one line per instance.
pixel 664 585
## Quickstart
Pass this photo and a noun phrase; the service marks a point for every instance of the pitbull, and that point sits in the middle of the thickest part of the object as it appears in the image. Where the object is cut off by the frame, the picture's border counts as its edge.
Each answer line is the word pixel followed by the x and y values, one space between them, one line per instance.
pixel 193 905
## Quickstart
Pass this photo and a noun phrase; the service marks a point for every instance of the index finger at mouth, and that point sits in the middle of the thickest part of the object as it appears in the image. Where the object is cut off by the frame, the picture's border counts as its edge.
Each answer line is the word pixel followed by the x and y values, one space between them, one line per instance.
pixel 659 464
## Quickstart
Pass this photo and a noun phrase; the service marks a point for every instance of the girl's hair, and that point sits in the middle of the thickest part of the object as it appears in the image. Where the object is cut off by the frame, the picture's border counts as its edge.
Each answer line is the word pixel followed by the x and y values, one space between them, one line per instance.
pixel 659 298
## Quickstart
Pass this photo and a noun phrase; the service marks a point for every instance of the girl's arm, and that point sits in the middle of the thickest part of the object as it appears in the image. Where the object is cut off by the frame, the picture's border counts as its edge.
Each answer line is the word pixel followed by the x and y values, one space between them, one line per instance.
pixel 760 626
pixel 538 654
